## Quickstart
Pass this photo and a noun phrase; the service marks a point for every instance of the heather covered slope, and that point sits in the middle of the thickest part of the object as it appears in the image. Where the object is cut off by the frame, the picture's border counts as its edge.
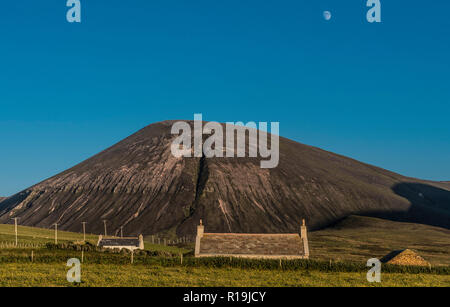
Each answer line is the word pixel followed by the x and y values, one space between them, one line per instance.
pixel 358 238
pixel 139 185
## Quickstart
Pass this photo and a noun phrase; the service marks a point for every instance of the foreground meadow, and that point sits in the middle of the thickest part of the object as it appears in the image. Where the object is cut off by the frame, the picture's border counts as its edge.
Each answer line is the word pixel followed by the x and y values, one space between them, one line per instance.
pixel 338 259
pixel 100 275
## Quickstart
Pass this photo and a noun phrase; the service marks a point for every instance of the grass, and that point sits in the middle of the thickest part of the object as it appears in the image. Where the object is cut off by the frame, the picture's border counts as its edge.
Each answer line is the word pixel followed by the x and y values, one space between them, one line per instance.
pixel 165 248
pixel 158 276
pixel 28 235
pixel 54 256
pixel 114 269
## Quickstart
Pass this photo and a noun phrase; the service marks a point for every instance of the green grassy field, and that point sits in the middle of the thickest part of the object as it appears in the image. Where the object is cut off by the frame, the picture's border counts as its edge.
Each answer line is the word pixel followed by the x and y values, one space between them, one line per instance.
pixel 158 276
pixel 28 235
pixel 348 244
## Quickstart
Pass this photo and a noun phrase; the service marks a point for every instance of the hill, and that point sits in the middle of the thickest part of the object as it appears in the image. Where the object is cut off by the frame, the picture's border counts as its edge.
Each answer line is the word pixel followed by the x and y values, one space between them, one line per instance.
pixel 358 238
pixel 139 185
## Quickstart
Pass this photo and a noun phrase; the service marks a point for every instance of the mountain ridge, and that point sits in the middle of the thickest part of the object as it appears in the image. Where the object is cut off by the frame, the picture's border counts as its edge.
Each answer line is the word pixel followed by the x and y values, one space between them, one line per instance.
pixel 139 185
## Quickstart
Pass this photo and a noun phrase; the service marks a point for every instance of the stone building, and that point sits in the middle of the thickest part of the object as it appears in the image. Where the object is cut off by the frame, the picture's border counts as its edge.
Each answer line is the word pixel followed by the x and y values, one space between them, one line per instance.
pixel 275 246
pixel 119 243
pixel 404 257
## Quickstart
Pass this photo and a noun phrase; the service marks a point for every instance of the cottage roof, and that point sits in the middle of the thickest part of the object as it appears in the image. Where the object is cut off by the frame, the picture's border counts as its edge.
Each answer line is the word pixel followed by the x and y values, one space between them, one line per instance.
pixel 119 242
pixel 251 244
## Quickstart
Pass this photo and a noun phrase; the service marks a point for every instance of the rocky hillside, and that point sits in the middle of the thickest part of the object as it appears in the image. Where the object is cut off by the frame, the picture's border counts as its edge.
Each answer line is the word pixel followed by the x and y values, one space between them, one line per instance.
pixel 139 185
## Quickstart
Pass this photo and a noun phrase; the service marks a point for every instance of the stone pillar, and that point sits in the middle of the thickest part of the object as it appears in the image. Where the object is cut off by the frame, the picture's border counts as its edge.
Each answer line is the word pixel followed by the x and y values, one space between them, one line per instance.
pixel 304 236
pixel 141 241
pixel 200 232
pixel 100 237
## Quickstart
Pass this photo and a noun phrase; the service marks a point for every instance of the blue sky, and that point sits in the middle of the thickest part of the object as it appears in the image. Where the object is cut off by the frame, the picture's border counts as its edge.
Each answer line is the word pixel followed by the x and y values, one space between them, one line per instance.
pixel 378 93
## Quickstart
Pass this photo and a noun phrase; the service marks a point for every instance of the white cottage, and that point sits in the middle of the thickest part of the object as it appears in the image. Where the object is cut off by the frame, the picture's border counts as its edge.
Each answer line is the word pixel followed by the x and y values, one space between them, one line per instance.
pixel 119 243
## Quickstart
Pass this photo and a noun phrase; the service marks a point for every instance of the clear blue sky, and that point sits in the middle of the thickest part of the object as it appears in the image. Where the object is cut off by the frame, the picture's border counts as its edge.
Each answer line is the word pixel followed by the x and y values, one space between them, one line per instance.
pixel 378 93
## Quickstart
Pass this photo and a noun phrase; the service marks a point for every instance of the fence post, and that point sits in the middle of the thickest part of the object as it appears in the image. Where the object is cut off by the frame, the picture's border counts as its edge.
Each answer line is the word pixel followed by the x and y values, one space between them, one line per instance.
pixel 32 254
pixel 132 254
pixel 181 258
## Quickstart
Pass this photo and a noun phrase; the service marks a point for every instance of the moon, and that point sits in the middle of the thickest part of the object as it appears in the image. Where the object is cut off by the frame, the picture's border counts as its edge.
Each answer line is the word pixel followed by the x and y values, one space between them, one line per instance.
pixel 327 15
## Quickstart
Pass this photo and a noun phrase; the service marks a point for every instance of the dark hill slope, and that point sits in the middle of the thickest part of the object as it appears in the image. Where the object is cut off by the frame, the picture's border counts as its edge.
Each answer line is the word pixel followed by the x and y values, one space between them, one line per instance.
pixel 138 184
pixel 358 238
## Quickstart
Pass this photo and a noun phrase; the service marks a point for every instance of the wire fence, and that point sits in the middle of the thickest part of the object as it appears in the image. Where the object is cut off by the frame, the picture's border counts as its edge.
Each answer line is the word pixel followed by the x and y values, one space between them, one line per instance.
pixel 20 245
pixel 153 239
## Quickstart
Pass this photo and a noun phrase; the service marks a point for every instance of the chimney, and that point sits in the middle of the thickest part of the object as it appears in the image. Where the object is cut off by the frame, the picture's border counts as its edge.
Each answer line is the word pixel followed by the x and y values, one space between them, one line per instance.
pixel 100 237
pixel 141 241
pixel 304 236
pixel 200 231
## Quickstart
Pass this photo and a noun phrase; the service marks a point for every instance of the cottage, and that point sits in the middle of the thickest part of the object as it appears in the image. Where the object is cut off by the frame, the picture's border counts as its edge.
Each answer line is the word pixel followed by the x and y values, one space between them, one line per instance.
pixel 119 243
pixel 287 246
